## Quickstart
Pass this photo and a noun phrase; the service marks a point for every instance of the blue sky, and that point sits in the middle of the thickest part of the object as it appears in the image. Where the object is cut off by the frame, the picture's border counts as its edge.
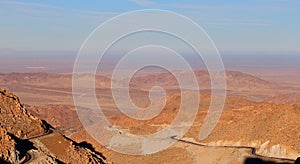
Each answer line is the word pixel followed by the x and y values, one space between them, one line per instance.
pixel 43 27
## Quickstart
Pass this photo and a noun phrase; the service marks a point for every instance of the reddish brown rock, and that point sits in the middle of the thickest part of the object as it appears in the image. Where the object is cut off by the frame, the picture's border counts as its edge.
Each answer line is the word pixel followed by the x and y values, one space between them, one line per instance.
pixel 15 119
pixel 8 151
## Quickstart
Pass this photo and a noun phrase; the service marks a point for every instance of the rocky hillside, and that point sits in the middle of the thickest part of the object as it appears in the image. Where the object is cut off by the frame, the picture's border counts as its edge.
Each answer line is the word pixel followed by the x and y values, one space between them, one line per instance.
pixel 15 119
pixel 273 129
pixel 8 152
pixel 64 150
pixel 26 139
pixel 62 117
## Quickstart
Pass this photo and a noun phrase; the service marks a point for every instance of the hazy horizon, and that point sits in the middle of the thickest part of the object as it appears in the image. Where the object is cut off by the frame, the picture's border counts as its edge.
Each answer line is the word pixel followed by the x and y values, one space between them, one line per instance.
pixel 250 36
pixel 149 81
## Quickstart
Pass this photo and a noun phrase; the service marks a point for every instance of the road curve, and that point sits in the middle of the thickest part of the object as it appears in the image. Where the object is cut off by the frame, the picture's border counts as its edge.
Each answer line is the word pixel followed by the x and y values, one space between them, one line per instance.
pixel 28 156
pixel 252 149
pixel 50 131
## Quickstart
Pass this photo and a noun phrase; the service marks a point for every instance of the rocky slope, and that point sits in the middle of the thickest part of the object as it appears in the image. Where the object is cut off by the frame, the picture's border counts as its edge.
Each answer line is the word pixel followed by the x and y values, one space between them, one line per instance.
pixel 63 117
pixel 273 129
pixel 43 146
pixel 15 119
pixel 65 150
pixel 8 152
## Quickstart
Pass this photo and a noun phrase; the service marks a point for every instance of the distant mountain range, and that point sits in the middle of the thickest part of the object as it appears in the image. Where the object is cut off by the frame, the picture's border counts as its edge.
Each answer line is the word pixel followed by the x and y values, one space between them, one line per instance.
pixel 238 84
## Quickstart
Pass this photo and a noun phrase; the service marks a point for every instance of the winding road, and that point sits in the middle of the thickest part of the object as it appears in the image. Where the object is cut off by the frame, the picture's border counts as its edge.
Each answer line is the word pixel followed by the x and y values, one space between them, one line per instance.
pixel 30 156
pixel 253 150
pixel 26 159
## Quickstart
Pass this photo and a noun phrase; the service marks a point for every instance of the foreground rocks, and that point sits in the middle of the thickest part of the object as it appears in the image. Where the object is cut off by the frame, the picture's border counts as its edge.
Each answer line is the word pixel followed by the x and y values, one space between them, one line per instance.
pixel 15 119
pixel 8 150
pixel 26 139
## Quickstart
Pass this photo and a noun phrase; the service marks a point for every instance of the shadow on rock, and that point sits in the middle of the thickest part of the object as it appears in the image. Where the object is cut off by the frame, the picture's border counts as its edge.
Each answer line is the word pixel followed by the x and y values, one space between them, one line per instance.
pixel 22 145
pixel 89 146
pixel 260 161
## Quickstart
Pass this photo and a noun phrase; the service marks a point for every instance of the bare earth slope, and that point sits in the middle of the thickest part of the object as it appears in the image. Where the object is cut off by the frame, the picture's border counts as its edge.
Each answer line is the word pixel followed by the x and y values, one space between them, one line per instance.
pixel 45 88
pixel 288 98
pixel 271 129
pixel 63 117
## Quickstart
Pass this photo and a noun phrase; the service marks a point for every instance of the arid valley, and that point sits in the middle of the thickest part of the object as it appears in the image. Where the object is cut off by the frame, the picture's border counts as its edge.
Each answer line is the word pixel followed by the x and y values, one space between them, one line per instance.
pixel 259 120
pixel 149 82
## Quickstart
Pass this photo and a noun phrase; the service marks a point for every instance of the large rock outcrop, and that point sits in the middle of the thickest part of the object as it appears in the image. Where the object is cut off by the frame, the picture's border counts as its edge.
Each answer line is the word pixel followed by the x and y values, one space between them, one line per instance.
pixel 15 119
pixel 8 151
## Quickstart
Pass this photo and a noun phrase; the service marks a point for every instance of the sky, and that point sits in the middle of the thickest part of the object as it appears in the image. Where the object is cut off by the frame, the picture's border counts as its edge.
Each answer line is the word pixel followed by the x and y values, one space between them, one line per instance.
pixel 50 27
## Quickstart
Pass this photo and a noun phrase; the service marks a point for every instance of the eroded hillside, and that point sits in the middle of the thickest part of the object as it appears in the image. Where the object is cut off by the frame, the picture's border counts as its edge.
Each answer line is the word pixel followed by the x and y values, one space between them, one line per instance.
pixel 24 138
